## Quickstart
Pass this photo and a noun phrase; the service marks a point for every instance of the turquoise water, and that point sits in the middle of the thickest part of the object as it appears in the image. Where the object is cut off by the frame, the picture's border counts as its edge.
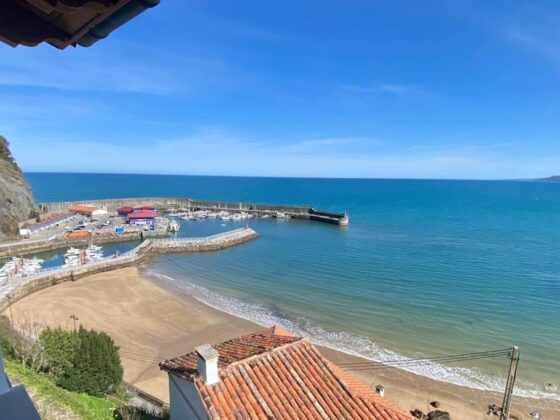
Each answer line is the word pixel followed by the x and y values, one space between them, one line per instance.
pixel 425 268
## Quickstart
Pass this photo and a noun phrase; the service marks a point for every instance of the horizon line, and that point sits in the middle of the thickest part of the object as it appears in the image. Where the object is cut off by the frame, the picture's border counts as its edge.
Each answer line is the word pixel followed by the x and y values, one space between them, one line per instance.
pixel 285 177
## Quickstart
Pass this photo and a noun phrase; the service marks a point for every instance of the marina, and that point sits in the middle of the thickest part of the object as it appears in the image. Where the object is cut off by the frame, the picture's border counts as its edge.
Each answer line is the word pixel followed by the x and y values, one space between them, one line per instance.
pixel 17 267
pixel 193 209
pixel 82 262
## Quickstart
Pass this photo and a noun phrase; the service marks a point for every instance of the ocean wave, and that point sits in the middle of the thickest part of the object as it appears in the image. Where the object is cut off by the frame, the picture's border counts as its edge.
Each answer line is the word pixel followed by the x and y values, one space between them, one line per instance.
pixel 345 342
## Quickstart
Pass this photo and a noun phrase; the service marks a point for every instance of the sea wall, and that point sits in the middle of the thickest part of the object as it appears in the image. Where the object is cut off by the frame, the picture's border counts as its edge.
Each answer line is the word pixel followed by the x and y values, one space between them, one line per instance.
pixel 167 202
pixel 298 212
pixel 209 243
pixel 19 288
pixel 53 243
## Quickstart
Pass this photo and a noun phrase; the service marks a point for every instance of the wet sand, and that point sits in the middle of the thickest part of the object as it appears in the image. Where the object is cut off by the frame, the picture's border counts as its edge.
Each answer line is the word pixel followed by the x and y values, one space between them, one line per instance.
pixel 151 324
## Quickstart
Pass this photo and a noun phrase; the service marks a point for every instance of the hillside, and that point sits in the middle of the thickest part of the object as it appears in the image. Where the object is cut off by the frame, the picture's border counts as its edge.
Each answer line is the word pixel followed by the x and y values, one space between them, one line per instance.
pixel 16 200
pixel 554 178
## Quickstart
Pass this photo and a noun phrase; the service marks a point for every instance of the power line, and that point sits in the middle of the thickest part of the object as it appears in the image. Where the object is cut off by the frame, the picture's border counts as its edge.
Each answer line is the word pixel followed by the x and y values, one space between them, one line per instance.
pixel 424 360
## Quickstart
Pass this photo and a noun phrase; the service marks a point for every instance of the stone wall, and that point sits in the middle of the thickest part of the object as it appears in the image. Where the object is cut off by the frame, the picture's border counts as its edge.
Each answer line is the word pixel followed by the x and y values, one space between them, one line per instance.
pixel 50 277
pixel 26 247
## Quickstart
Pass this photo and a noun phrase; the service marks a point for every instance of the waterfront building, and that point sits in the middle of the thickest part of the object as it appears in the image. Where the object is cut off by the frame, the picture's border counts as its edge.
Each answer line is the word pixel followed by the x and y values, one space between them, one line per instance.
pixel 81 209
pixel 125 210
pixel 142 217
pixel 269 374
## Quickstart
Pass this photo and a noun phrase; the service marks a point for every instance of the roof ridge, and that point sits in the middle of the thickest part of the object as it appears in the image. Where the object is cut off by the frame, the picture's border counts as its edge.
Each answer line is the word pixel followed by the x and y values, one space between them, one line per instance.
pixel 248 359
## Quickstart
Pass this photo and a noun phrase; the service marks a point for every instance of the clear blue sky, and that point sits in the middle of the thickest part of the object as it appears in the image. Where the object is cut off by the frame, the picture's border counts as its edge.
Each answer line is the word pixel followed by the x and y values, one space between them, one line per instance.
pixel 412 88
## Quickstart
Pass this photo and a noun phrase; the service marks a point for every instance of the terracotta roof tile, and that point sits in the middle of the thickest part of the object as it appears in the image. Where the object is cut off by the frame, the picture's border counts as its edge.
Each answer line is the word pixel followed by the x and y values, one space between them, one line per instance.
pixel 270 374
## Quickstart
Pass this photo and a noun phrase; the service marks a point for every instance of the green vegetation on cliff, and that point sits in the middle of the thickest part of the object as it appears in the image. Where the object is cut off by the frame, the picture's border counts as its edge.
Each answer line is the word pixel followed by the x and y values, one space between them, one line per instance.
pixel 16 200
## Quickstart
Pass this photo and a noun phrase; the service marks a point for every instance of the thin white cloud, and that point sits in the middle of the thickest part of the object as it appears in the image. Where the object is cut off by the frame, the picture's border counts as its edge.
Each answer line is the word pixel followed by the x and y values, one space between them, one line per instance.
pixel 547 45
pixel 381 88
pixel 114 67
pixel 214 152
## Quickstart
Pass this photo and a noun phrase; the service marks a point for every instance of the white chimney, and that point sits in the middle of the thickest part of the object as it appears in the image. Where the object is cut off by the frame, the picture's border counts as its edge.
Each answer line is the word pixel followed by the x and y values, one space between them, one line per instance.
pixel 207 365
pixel 380 389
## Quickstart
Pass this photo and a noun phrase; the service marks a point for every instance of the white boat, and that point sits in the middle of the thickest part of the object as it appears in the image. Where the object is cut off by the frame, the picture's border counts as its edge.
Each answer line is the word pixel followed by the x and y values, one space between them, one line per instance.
pixel 72 251
pixel 16 267
pixel 174 226
pixel 282 215
pixel 93 253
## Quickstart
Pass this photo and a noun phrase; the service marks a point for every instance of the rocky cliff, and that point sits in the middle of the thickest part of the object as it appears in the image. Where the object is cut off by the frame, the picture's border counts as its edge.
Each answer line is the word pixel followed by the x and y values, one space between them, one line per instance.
pixel 16 201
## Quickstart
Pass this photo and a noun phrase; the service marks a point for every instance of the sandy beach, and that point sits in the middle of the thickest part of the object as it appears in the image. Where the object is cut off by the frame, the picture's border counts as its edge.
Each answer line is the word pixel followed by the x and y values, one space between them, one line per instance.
pixel 150 324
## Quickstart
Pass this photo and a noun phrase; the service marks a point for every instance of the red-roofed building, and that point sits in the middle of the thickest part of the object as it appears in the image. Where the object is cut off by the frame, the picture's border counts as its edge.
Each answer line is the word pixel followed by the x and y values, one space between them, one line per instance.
pixel 81 209
pixel 269 374
pixel 142 214
pixel 125 210
pixel 142 217
pixel 147 208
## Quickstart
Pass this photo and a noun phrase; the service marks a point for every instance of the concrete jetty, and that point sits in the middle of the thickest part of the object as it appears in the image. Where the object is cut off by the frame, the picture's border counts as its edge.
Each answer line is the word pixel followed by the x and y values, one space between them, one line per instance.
pixel 16 289
pixel 163 203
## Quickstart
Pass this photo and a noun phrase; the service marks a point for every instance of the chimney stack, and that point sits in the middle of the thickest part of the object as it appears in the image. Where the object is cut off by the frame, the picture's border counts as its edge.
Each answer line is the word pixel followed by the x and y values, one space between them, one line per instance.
pixel 380 389
pixel 207 364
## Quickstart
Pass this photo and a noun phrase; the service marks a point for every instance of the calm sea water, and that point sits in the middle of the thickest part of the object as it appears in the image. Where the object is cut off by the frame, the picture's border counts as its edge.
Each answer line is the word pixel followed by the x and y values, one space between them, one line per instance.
pixel 425 268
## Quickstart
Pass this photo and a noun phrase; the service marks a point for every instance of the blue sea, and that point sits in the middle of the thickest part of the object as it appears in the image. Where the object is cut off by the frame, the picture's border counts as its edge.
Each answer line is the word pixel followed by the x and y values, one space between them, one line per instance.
pixel 425 267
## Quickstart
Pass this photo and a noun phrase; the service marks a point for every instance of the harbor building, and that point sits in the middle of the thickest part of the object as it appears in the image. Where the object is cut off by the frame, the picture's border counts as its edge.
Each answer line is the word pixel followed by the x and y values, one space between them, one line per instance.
pixel 82 209
pixel 269 374
pixel 125 210
pixel 142 217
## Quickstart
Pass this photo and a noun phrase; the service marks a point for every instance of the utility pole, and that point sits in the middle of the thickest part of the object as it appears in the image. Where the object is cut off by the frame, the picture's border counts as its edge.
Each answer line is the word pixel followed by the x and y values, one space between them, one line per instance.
pixel 506 404
pixel 75 318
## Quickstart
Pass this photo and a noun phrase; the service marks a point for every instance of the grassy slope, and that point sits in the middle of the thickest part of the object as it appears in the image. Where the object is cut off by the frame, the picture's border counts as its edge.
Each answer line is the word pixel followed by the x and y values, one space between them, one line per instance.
pixel 41 386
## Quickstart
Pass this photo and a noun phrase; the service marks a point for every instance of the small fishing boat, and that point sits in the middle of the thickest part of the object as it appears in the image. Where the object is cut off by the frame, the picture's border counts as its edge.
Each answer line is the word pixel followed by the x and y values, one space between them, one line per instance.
pixel 174 226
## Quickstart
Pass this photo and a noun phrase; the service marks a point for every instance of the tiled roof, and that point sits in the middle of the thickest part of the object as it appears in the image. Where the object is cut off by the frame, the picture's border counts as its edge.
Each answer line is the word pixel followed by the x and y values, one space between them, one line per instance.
pixel 269 374
pixel 72 234
pixel 141 214
pixel 79 208
pixel 232 351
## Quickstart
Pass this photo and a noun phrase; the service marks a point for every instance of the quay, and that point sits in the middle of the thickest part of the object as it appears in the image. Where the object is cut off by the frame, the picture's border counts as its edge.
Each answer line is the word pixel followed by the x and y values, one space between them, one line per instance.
pixel 28 246
pixel 162 203
pixel 16 289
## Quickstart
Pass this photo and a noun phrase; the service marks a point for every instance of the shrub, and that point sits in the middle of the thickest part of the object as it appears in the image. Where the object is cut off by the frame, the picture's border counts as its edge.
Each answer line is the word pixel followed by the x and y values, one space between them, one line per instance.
pixel 59 350
pixel 82 361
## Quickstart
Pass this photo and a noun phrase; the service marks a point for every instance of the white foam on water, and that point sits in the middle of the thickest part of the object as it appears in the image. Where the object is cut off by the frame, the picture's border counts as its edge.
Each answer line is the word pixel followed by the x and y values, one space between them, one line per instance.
pixel 348 343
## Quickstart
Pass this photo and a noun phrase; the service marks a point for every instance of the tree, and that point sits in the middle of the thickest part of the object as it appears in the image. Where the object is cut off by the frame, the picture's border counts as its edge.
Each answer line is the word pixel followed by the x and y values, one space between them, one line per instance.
pixel 82 361
pixel 59 350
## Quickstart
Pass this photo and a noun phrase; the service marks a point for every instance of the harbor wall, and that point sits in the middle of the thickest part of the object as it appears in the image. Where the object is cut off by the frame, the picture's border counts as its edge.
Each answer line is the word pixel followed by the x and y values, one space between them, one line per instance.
pixel 17 290
pixel 167 202
pixel 50 244
pixel 298 212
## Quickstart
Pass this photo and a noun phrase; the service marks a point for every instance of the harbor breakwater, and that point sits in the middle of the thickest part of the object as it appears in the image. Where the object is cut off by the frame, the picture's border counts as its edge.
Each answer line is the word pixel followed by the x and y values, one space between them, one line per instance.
pixel 296 212
pixel 50 244
pixel 16 289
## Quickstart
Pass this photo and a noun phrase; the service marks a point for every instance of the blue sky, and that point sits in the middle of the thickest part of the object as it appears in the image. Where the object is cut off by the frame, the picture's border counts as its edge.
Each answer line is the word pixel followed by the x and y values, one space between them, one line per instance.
pixel 405 89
